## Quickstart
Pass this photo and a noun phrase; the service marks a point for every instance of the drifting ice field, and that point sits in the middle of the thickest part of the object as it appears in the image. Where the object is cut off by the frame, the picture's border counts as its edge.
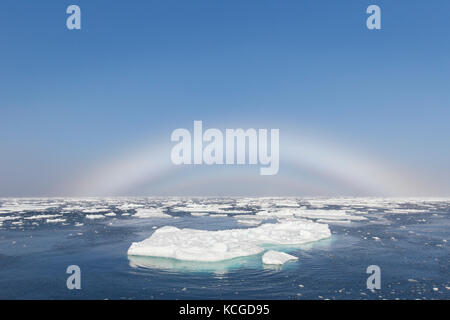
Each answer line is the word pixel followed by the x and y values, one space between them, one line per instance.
pixel 244 248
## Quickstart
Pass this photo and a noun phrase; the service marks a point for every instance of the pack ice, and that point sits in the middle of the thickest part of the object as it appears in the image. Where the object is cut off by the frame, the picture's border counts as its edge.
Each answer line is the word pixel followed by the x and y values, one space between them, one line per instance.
pixel 212 246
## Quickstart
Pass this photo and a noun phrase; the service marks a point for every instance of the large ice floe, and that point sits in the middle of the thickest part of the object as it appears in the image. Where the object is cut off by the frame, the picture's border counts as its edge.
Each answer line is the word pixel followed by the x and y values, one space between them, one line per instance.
pixel 212 246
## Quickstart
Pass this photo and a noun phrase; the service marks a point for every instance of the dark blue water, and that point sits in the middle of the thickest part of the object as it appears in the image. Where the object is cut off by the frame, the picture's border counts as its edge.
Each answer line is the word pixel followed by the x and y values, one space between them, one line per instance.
pixel 410 248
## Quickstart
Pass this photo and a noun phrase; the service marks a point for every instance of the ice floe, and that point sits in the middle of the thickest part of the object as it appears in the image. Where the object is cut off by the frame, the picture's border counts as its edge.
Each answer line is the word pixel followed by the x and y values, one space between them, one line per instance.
pixel 95 210
pixel 150 213
pixel 26 205
pixel 251 222
pixel 198 214
pixel 319 215
pixel 42 216
pixel 6 218
pixel 210 246
pixel 110 214
pixel 55 220
pixel 95 216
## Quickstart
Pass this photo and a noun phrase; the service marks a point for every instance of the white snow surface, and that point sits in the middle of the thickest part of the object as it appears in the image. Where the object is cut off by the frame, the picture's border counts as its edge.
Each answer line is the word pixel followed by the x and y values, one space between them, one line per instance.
pixel 211 246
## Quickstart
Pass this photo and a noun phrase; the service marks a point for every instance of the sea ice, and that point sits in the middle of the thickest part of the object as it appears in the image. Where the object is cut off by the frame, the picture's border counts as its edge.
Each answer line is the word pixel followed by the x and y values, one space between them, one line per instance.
pixel 276 257
pixel 150 213
pixel 129 206
pixel 55 220
pixel 251 222
pixel 110 214
pixel 210 246
pixel 42 216
pixel 287 203
pixel 95 216
pixel 309 214
pixel 198 214
pixel 95 210
pixel 208 208
pixel 330 221
pixel 25 206
pixel 3 218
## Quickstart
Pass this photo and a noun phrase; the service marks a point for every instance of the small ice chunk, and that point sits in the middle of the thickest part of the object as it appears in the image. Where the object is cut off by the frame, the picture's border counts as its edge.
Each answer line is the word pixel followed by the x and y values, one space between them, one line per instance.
pixel 276 257
pixel 198 214
pixel 94 216
pixel 110 214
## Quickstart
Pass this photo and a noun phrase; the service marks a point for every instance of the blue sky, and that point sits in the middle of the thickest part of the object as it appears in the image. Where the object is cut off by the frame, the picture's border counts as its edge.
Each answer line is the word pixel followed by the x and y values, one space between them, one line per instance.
pixel 73 100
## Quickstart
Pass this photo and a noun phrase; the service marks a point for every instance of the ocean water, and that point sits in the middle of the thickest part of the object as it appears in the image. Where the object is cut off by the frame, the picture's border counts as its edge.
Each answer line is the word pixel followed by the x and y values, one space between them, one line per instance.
pixel 406 238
